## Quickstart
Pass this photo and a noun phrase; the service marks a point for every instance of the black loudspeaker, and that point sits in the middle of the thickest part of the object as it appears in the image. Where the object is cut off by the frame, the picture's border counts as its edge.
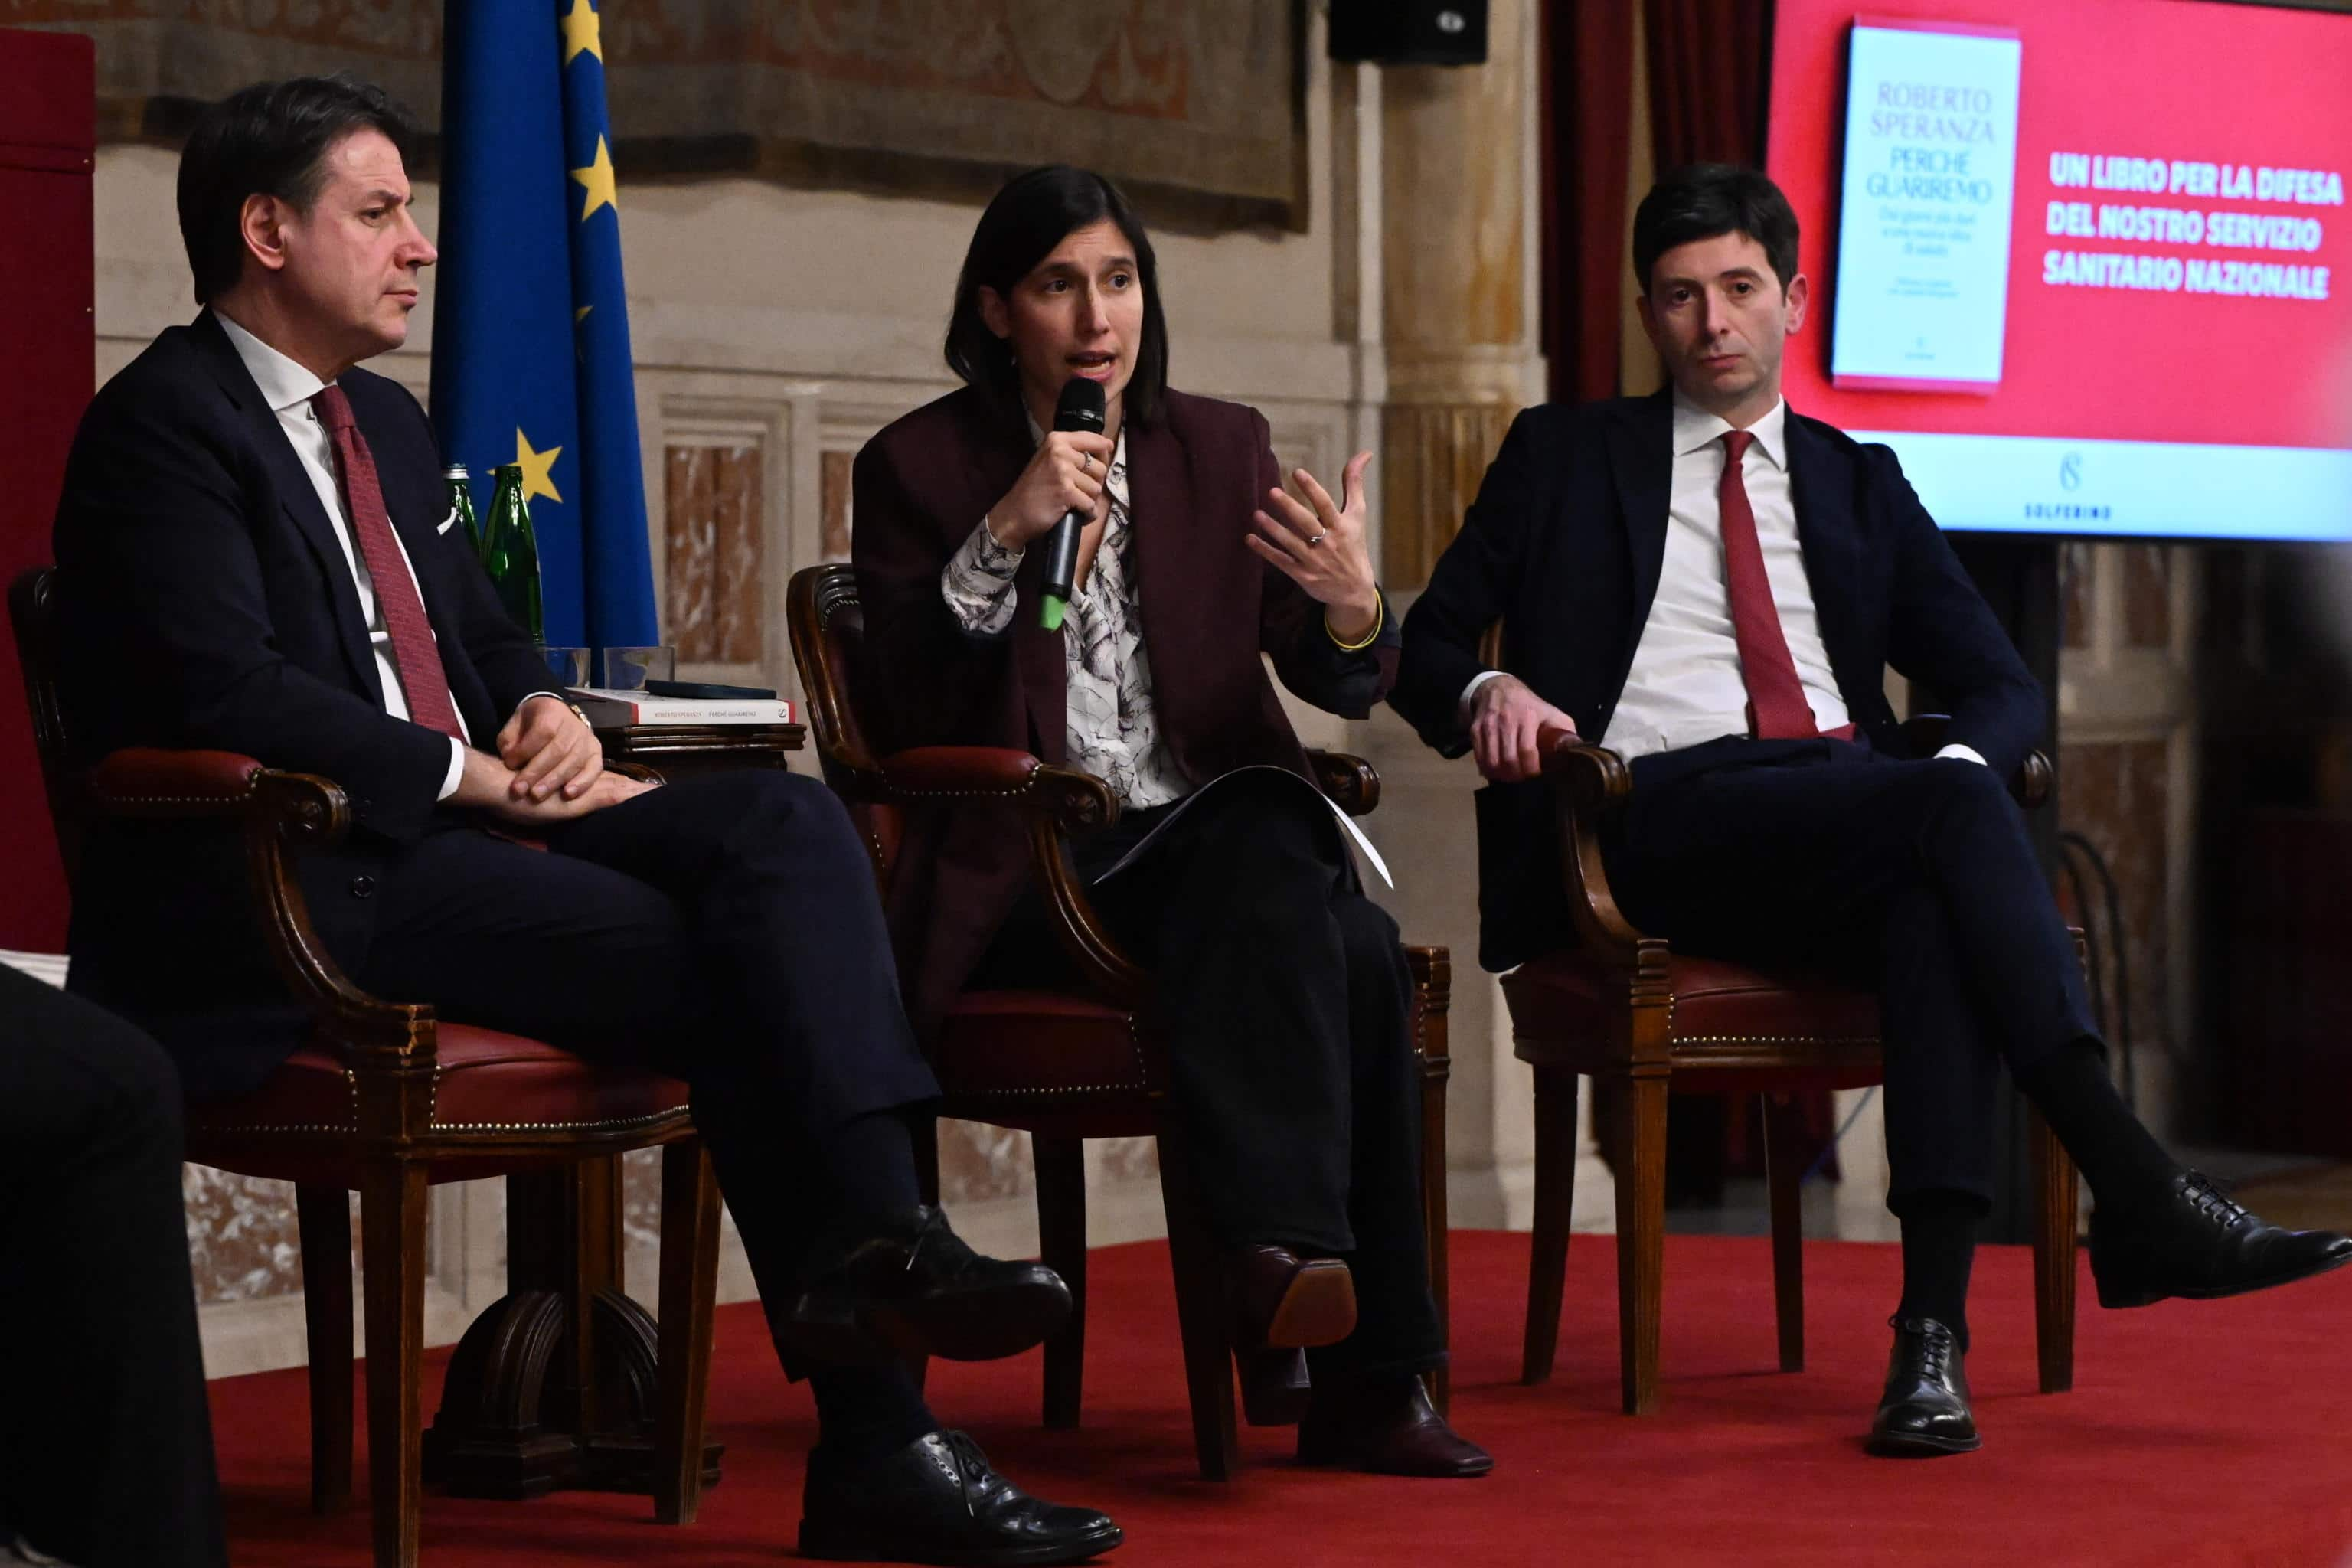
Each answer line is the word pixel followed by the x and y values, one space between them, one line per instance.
pixel 1409 32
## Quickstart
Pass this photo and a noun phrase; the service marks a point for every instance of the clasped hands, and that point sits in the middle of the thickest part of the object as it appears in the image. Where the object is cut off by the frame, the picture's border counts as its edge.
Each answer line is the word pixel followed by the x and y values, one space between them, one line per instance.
pixel 549 769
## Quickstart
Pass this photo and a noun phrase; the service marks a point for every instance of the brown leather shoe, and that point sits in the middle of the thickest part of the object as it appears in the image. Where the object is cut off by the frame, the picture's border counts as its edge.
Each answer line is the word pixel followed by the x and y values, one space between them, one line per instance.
pixel 1275 1388
pixel 1282 1300
pixel 1391 1431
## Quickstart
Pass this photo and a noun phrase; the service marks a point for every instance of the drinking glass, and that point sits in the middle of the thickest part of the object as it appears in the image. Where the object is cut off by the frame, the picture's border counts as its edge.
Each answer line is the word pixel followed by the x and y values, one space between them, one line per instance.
pixel 628 668
pixel 568 664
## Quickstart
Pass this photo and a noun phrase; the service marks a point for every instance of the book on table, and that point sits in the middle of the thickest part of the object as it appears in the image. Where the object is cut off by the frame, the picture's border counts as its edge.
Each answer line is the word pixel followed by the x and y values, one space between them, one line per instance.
pixel 612 710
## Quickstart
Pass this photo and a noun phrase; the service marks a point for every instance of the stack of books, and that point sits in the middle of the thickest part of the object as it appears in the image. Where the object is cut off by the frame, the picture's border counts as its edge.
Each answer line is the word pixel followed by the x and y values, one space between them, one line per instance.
pixel 610 709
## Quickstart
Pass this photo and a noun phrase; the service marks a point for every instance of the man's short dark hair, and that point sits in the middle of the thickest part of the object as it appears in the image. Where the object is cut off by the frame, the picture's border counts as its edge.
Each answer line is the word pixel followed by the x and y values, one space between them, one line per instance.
pixel 1704 200
pixel 1025 221
pixel 270 139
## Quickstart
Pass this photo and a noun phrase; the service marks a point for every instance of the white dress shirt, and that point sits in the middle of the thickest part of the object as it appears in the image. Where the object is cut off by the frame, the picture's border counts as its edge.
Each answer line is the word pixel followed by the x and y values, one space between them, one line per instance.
pixel 287 387
pixel 1686 687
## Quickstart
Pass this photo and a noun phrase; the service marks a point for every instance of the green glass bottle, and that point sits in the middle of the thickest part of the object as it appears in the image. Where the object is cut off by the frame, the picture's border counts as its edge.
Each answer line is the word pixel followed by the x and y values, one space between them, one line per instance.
pixel 511 554
pixel 461 507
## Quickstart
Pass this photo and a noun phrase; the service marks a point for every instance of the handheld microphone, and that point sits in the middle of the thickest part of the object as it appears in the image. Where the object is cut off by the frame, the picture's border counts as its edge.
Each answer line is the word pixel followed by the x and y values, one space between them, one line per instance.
pixel 1080 408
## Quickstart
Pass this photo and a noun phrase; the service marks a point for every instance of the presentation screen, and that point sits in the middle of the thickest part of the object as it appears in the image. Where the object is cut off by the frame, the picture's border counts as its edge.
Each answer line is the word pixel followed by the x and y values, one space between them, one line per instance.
pixel 2085 265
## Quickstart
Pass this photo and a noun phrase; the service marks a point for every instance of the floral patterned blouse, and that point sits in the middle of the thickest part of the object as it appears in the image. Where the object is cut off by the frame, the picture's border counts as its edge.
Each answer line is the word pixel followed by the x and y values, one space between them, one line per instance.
pixel 1113 731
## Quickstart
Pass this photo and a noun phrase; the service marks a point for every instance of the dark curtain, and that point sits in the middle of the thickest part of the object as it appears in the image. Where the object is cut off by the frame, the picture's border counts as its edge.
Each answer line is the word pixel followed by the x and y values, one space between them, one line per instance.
pixel 1706 78
pixel 1588 104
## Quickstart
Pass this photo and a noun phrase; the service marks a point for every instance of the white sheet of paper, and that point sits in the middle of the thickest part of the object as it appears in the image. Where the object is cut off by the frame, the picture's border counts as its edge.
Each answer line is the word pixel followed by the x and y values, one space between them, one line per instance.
pixel 1354 833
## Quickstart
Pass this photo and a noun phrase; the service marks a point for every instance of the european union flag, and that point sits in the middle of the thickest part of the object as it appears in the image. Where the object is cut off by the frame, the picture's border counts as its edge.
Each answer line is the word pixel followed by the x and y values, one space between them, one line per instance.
pixel 531 326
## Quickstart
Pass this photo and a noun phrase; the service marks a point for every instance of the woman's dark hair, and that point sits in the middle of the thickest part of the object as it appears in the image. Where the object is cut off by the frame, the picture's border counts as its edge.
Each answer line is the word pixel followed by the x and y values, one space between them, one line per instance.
pixel 1704 200
pixel 1026 220
pixel 270 139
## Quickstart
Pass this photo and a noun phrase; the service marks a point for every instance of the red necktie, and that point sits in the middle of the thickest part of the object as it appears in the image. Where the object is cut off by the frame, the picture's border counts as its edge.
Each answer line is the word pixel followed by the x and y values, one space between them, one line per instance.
pixel 412 649
pixel 1777 709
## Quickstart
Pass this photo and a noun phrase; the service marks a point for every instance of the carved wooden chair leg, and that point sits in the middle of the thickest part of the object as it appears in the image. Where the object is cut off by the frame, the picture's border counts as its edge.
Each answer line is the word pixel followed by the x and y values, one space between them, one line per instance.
pixel 323 1216
pixel 2053 1258
pixel 1640 1144
pixel 1200 1313
pixel 1061 1164
pixel 391 1241
pixel 1431 969
pixel 1784 1168
pixel 1433 1218
pixel 1555 1202
pixel 690 1288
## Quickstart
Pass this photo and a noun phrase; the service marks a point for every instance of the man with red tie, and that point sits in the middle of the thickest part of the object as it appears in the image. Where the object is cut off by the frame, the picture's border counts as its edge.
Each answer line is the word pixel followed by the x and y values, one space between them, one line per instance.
pixel 1714 586
pixel 256 555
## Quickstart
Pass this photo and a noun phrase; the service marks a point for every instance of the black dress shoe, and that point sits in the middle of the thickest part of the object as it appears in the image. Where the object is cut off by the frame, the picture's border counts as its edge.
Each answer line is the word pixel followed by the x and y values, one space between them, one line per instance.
pixel 936 1501
pixel 915 1289
pixel 1925 1410
pixel 1282 1300
pixel 2195 1241
pixel 1389 1430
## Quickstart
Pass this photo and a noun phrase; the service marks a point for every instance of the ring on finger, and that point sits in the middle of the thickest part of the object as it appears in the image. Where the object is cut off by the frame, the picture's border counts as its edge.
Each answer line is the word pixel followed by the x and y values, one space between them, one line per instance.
pixel 1313 540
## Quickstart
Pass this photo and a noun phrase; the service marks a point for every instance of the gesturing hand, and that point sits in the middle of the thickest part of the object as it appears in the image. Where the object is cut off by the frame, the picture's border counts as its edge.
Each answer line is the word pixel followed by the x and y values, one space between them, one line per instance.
pixel 1321 547
pixel 549 748
pixel 1511 728
pixel 1066 474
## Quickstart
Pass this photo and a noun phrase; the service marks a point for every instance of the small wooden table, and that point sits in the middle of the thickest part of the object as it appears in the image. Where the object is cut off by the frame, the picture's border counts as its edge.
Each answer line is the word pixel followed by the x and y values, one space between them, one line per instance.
pixel 553 1388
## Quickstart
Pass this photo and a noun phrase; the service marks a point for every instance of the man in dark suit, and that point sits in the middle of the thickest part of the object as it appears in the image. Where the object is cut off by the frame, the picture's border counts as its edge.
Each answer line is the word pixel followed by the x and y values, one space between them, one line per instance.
pixel 106 1459
pixel 1714 586
pixel 255 557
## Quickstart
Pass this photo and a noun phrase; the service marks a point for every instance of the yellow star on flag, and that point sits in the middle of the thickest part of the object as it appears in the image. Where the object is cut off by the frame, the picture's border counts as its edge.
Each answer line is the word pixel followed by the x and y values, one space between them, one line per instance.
pixel 538 469
pixel 598 178
pixel 583 32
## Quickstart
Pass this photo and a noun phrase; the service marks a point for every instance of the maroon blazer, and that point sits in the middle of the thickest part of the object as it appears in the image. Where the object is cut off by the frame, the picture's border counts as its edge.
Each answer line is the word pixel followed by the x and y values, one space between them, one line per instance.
pixel 1210 608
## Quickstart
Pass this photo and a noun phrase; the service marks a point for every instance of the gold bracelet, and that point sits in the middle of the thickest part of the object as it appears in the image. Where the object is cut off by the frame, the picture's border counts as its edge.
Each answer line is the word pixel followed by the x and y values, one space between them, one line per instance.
pixel 1379 619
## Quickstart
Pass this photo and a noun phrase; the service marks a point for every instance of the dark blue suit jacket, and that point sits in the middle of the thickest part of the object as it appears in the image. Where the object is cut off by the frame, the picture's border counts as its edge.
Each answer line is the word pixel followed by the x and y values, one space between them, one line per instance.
pixel 206 603
pixel 1564 545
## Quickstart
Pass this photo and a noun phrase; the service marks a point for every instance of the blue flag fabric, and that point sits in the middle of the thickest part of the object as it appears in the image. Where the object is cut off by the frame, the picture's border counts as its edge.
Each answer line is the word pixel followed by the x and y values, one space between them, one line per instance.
pixel 531 326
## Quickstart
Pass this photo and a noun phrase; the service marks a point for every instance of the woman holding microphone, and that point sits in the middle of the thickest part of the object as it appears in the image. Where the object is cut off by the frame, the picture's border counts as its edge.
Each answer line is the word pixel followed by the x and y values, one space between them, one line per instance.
pixel 1280 986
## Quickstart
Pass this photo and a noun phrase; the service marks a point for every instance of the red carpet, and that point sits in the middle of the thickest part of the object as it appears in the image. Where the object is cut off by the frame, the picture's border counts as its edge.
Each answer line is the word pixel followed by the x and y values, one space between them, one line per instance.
pixel 2197 1434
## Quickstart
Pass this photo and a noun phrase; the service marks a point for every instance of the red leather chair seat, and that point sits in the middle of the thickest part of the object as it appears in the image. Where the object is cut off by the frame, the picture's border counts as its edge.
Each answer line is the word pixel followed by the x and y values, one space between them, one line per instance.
pixel 1041 1047
pixel 483 1080
pixel 1566 996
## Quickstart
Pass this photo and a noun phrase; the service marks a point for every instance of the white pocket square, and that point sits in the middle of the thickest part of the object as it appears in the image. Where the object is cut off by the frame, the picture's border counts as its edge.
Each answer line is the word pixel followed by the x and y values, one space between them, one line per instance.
pixel 448 522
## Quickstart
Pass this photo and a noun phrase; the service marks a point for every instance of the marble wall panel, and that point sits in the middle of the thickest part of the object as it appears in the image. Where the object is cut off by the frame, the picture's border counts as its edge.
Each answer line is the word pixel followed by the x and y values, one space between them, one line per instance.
pixel 2148 595
pixel 2115 794
pixel 833 504
pixel 1130 1160
pixel 979 1161
pixel 641 1171
pixel 714 538
pixel 2076 563
pixel 243 1244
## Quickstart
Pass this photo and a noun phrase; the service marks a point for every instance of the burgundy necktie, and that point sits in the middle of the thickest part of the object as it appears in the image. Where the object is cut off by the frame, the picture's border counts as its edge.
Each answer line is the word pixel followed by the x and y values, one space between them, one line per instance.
pixel 1777 710
pixel 412 650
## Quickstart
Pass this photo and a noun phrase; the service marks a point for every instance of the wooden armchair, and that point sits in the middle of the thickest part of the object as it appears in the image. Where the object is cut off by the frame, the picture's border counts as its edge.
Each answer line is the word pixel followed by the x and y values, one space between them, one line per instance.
pixel 383 1099
pixel 1624 1007
pixel 1069 1067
